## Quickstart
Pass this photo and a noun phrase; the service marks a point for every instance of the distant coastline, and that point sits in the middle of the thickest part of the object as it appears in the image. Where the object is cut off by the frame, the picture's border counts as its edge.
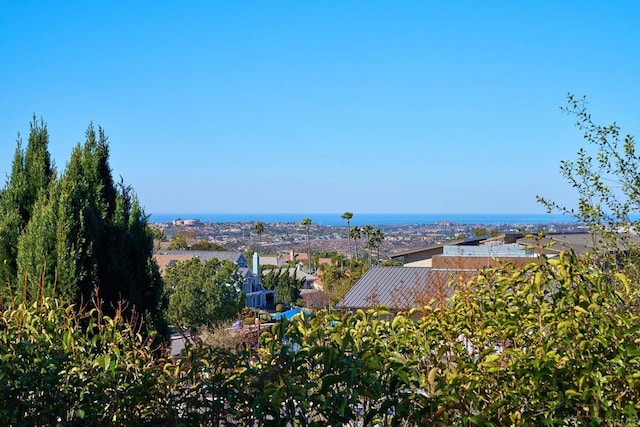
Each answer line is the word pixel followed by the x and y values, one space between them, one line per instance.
pixel 360 219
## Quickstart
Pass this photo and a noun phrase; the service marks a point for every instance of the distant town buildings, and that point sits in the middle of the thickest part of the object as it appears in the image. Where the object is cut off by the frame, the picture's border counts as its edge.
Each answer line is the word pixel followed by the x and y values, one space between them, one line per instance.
pixel 186 222
pixel 432 273
pixel 281 238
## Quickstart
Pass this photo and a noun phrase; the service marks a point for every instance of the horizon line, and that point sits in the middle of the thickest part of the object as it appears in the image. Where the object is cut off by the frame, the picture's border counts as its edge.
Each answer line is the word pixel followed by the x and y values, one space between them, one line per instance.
pixel 358 213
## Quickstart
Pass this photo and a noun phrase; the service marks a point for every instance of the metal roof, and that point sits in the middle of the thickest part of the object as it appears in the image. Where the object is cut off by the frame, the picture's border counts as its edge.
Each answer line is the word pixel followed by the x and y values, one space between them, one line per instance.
pixel 416 250
pixel 402 287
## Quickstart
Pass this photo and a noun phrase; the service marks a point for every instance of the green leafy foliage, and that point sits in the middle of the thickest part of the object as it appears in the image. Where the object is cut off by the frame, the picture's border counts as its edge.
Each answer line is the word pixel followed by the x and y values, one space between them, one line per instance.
pixel 202 294
pixel 544 344
pixel 206 245
pixel 284 281
pixel 605 173
pixel 76 234
pixel 551 344
pixel 606 179
pixel 179 242
pixel 58 367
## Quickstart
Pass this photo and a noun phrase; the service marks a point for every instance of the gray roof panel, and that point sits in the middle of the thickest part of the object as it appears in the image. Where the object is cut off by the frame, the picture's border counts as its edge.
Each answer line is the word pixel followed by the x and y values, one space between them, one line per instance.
pixel 233 256
pixel 402 287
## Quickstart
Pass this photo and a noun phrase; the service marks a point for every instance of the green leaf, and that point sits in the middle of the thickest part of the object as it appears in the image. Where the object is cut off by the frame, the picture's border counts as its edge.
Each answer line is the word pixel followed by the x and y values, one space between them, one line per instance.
pixel 67 339
pixel 492 358
pixel 623 278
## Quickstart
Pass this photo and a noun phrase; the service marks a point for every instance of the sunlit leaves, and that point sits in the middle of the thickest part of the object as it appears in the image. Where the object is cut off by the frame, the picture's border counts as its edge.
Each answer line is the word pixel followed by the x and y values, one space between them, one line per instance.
pixel 543 345
pixel 202 294
pixel 57 366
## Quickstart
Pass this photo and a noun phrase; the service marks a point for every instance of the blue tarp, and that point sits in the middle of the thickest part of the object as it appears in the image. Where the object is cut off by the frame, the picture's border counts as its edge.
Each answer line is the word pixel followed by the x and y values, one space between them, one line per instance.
pixel 287 314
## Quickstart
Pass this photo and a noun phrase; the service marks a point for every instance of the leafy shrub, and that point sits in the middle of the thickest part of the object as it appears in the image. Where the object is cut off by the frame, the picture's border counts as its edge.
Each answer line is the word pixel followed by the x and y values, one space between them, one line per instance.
pixel 60 367
pixel 542 345
pixel 220 336
pixel 265 317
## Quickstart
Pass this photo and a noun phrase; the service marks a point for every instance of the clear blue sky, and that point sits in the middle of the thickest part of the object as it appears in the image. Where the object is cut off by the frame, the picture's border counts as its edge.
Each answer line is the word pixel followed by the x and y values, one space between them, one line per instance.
pixel 322 106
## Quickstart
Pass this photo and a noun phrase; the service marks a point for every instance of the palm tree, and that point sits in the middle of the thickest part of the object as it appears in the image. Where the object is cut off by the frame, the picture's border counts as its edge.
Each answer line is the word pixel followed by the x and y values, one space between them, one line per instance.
pixel 258 228
pixel 337 260
pixel 355 233
pixel 348 216
pixel 368 230
pixel 376 240
pixel 307 223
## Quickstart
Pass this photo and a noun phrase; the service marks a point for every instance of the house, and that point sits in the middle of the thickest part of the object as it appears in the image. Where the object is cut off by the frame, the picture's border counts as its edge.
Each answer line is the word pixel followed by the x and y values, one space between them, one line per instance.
pixel 487 255
pixel 421 257
pixel 274 261
pixel 255 294
pixel 402 288
pixel 441 266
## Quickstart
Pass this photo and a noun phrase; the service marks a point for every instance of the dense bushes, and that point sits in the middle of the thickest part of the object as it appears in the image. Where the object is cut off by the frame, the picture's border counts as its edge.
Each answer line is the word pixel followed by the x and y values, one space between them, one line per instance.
pixel 552 344
pixel 544 345
pixel 58 367
pixel 202 294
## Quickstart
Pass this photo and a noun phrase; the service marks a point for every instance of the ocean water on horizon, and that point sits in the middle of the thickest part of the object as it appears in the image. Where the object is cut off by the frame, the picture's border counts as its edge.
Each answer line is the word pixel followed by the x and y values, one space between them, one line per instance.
pixel 360 219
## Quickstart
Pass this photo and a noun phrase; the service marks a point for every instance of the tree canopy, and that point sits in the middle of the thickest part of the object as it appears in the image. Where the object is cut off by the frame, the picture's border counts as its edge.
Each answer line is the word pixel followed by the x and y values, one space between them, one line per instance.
pixel 550 344
pixel 605 175
pixel 202 294
pixel 207 245
pixel 31 178
pixel 77 236
pixel 284 282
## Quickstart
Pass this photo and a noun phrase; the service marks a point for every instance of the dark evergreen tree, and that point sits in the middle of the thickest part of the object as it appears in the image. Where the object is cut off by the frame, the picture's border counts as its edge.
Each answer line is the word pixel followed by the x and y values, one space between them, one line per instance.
pixel 284 282
pixel 31 174
pixel 38 167
pixel 83 236
pixel 37 252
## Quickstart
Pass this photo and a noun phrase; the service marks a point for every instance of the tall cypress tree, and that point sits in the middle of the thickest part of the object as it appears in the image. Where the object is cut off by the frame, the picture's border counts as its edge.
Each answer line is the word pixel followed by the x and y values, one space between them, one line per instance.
pixel 11 220
pixel 31 174
pixel 76 261
pixel 84 234
pixel 36 250
pixel 38 167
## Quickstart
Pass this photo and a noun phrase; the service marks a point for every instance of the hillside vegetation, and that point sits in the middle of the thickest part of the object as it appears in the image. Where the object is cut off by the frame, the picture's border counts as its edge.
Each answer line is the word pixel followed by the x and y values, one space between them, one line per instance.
pixel 551 343
pixel 548 344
